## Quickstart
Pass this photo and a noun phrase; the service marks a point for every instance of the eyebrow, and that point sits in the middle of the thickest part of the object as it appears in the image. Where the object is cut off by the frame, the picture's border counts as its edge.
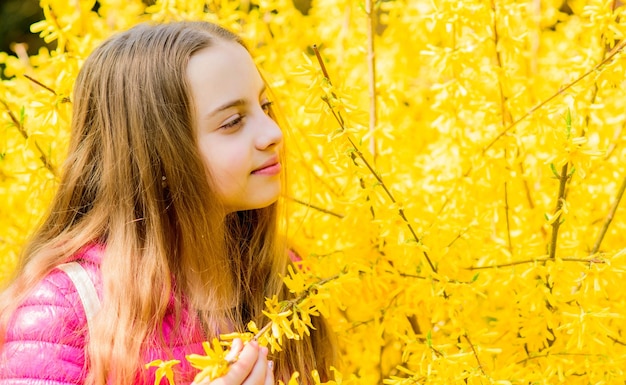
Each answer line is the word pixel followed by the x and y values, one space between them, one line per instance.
pixel 234 103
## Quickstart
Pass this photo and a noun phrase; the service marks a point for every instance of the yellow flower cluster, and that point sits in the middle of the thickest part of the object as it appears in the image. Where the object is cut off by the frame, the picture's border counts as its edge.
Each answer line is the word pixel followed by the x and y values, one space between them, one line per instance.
pixel 456 175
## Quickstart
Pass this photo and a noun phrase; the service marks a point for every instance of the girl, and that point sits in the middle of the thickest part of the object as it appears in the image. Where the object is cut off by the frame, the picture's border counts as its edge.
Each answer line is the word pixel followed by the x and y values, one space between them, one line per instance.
pixel 168 202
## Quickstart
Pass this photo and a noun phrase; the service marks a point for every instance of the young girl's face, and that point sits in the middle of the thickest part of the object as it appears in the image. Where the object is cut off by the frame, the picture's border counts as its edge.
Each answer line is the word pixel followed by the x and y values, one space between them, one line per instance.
pixel 238 140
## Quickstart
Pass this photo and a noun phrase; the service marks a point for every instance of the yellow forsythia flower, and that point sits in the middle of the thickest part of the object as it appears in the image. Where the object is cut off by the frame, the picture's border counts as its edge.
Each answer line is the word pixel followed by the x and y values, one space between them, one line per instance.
pixel 292 381
pixel 213 364
pixel 164 369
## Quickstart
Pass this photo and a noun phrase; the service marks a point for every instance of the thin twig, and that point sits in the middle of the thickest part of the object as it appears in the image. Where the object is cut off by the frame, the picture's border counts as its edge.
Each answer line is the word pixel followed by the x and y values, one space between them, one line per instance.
pixel 506 117
pixel 533 260
pixel 320 209
pixel 504 111
pixel 393 200
pixel 262 331
pixel 321 62
pixel 608 59
pixel 40 84
pixel 367 164
pixel 596 89
pixel 20 127
pixel 613 145
pixel 371 23
pixel 556 222
pixel 324 181
pixel 545 355
pixel 609 217
pixel 529 196
pixel 337 114
pixel 434 279
pixel 506 215
pixel 480 365
pixel 617 341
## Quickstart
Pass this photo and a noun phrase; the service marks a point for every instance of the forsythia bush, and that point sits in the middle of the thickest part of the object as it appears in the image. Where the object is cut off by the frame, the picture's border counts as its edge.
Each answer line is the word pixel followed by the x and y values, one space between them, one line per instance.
pixel 456 169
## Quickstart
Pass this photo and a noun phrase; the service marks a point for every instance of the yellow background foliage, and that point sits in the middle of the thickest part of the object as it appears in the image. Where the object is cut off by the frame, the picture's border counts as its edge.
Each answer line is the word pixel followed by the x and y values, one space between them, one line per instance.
pixel 464 228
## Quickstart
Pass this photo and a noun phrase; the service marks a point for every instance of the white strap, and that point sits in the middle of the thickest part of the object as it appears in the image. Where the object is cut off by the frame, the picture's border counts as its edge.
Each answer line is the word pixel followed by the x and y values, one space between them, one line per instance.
pixel 84 287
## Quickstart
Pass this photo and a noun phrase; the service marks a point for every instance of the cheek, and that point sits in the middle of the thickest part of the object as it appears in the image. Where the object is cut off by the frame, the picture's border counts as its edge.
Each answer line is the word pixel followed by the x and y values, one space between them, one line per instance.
pixel 228 167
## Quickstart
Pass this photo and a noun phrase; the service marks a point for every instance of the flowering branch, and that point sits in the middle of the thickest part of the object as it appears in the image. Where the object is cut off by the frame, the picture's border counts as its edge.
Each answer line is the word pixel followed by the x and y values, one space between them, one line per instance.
pixel 556 220
pixel 18 123
pixel 604 62
pixel 542 259
pixel 357 152
pixel 289 305
pixel 216 361
pixel 506 114
pixel 40 84
pixel 453 281
pixel 545 355
pixel 480 365
pixel 371 22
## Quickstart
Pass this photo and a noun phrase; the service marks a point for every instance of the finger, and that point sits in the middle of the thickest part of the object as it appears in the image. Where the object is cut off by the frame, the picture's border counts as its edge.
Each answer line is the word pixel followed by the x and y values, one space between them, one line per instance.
pixel 231 357
pixel 259 372
pixel 205 381
pixel 235 349
pixel 241 369
pixel 269 374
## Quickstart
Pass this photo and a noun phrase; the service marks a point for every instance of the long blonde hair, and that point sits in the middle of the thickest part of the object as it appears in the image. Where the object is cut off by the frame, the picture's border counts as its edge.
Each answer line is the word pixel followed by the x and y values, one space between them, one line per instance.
pixel 134 181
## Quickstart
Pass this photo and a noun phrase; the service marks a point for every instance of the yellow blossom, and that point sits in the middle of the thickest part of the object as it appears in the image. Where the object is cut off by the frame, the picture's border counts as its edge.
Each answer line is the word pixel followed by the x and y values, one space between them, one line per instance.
pixel 164 369
pixel 213 364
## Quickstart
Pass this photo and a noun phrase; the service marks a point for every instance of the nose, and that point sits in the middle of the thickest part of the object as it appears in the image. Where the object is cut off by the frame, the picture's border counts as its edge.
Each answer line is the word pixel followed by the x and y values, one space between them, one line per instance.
pixel 268 133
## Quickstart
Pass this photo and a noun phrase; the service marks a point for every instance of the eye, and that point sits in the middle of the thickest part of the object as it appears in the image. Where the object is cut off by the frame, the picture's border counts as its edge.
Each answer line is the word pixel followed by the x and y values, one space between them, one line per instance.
pixel 267 107
pixel 234 122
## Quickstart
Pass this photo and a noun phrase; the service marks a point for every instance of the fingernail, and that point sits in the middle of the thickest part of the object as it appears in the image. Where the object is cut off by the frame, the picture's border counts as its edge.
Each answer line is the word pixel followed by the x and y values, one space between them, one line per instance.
pixel 270 365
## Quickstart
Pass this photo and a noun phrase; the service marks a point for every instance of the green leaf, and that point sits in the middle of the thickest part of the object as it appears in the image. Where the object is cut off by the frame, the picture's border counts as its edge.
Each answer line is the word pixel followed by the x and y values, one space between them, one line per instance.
pixel 22 115
pixel 571 172
pixel 554 171
pixel 568 123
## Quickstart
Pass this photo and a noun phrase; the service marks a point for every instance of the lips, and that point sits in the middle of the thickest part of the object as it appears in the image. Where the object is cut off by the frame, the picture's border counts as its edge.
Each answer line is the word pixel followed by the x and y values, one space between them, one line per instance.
pixel 270 167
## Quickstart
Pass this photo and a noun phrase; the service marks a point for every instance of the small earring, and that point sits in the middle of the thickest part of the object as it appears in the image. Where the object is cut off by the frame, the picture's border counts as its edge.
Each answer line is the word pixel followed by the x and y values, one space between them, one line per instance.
pixel 163 181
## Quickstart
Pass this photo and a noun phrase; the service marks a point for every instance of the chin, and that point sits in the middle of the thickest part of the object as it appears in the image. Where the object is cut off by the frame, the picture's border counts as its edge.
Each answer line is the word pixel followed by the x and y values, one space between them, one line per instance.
pixel 253 206
pixel 264 205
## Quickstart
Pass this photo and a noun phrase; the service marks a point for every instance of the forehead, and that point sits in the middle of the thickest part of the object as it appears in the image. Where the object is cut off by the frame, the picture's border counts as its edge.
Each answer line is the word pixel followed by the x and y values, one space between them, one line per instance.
pixel 225 70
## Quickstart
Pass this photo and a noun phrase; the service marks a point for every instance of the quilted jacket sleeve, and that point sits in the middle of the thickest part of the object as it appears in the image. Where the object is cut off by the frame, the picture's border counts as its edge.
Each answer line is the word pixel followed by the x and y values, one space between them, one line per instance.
pixel 45 340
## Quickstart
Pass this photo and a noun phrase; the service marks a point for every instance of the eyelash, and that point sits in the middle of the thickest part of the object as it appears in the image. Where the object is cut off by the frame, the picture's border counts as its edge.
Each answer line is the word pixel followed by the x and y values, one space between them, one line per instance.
pixel 233 123
pixel 266 107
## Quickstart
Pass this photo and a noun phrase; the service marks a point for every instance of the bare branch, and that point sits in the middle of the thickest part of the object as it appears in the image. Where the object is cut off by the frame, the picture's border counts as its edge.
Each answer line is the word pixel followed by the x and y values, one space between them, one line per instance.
pixel 320 209
pixel 556 222
pixel 609 217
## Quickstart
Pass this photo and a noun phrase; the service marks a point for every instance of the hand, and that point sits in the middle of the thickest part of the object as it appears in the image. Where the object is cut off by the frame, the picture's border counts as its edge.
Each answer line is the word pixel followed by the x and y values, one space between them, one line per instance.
pixel 250 368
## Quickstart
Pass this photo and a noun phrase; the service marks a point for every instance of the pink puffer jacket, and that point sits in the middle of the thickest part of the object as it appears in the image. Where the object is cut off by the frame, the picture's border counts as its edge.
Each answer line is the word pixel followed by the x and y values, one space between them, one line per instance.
pixel 45 341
